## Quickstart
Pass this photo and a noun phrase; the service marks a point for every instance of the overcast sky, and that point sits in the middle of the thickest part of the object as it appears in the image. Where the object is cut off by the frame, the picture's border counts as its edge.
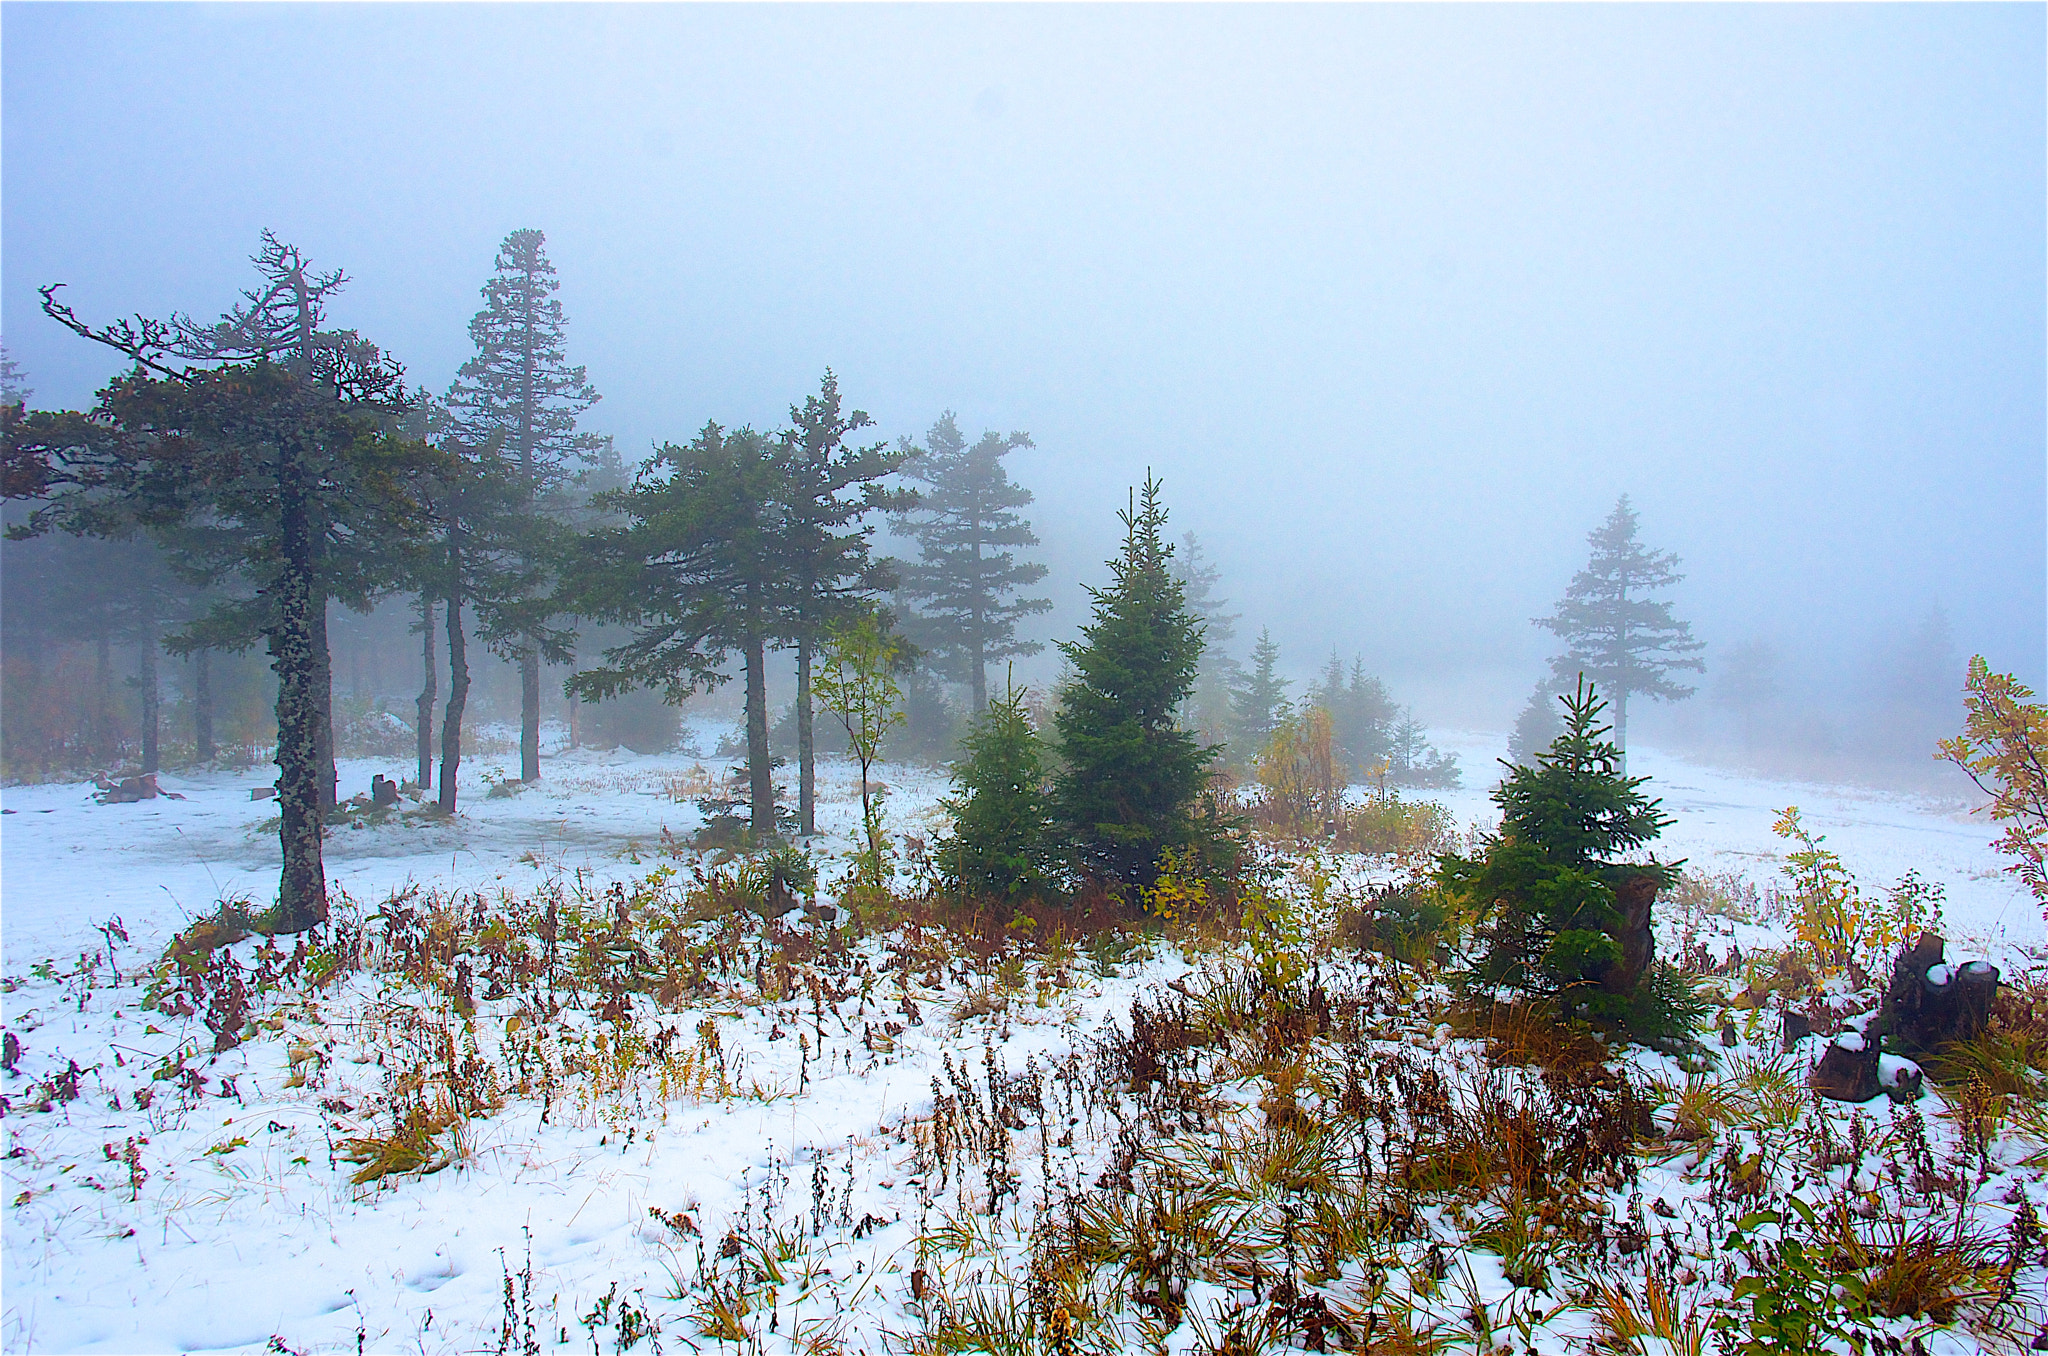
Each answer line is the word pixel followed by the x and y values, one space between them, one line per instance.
pixel 1397 300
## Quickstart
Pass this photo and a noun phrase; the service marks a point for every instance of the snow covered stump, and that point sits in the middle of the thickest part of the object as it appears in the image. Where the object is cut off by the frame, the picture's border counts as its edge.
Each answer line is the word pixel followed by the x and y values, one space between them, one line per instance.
pixel 1930 1003
pixel 1847 1071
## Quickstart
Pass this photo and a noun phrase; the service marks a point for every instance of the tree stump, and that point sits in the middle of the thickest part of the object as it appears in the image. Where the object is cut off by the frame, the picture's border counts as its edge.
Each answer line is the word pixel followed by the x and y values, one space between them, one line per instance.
pixel 1633 896
pixel 1847 1071
pixel 1930 1003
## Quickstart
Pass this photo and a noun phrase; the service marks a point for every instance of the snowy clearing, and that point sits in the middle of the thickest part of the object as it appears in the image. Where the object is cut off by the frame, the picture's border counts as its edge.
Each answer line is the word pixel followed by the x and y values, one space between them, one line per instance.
pixel 223 1218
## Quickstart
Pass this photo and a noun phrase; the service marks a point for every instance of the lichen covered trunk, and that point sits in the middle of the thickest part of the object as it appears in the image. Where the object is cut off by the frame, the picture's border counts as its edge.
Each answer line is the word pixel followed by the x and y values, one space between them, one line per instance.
pixel 529 714
pixel 323 697
pixel 302 887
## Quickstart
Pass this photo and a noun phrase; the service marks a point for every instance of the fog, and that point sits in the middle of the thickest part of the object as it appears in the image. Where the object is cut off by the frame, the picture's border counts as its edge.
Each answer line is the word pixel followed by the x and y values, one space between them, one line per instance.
pixel 1396 301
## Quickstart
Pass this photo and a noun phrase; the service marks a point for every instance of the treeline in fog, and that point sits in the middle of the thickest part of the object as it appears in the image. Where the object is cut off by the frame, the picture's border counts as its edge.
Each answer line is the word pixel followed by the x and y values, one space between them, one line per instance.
pixel 262 537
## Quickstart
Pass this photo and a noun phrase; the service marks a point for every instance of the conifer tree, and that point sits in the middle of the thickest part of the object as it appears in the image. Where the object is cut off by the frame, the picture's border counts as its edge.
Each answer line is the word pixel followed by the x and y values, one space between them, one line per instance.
pixel 1363 714
pixel 1259 703
pixel 964 584
pixel 1130 775
pixel 1209 709
pixel 521 390
pixel 694 570
pixel 281 439
pixel 1565 919
pixel 825 491
pixel 1001 842
pixel 1616 631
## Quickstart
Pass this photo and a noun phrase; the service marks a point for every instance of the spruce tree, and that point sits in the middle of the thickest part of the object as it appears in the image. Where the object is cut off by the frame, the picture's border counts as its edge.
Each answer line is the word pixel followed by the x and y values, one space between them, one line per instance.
pixel 1259 703
pixel 1001 842
pixel 1209 710
pixel 694 569
pixel 1564 918
pixel 825 490
pixel 521 390
pixel 1616 631
pixel 1363 715
pixel 1130 775
pixel 964 583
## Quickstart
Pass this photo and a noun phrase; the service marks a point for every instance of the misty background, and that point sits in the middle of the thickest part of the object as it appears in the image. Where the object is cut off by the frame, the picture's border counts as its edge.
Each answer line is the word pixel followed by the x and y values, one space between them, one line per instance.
pixel 1396 300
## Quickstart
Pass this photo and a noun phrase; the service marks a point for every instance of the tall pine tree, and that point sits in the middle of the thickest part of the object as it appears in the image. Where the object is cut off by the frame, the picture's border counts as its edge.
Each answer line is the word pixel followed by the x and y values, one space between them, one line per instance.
pixel 481 556
pixel 965 582
pixel 1130 775
pixel 825 490
pixel 521 390
pixel 1616 631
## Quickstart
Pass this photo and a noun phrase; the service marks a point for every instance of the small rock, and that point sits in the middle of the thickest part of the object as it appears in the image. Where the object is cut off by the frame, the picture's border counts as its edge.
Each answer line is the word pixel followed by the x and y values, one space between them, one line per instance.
pixel 1798 1026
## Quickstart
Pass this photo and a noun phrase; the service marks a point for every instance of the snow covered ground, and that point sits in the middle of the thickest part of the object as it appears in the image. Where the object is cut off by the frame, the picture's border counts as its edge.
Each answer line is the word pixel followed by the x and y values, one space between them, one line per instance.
pixel 237 1228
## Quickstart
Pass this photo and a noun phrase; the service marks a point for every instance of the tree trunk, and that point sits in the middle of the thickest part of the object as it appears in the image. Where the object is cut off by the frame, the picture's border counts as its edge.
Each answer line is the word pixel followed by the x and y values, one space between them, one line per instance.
pixel 807 768
pixel 458 687
pixel 977 668
pixel 760 776
pixel 978 661
pixel 146 679
pixel 202 706
pixel 323 697
pixel 529 714
pixel 302 886
pixel 423 721
pixel 1621 726
pixel 575 713
pixel 529 417
pixel 104 745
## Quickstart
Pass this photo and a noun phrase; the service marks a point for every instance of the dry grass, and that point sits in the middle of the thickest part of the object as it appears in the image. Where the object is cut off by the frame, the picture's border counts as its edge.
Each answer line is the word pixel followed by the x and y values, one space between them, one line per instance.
pixel 1529 1033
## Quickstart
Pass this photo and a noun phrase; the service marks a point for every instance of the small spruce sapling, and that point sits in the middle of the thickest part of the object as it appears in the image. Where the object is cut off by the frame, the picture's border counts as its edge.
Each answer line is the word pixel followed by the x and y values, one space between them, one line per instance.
pixel 1001 844
pixel 1131 777
pixel 1551 890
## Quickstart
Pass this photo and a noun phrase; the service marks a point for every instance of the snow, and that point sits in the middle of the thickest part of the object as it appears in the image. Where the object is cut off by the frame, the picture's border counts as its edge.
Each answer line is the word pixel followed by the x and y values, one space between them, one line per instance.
pixel 246 1227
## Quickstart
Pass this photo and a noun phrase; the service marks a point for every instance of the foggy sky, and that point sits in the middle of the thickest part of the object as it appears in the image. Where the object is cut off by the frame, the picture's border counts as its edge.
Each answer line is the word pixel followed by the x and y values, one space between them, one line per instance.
pixel 1396 300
